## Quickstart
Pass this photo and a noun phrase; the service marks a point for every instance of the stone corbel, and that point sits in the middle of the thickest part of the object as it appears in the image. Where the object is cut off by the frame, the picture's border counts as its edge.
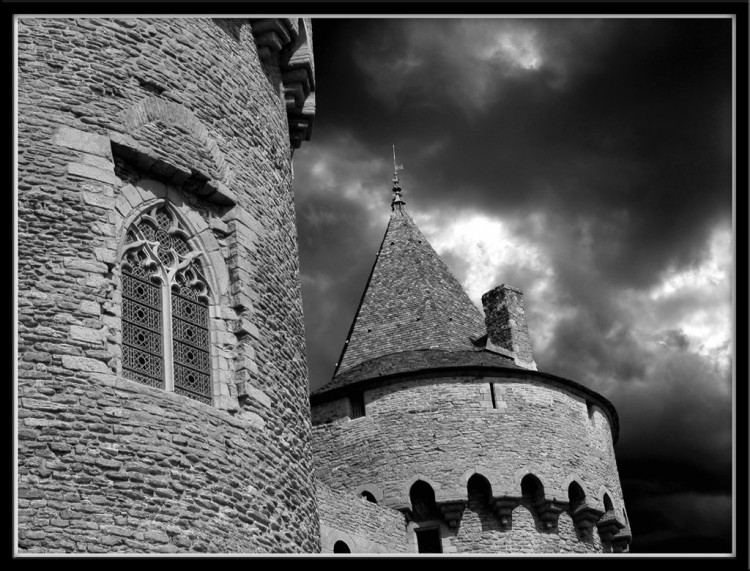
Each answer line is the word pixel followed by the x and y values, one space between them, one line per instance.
pixel 548 511
pixel 609 526
pixel 584 519
pixel 621 541
pixel 503 508
pixel 452 512
pixel 296 63
pixel 272 34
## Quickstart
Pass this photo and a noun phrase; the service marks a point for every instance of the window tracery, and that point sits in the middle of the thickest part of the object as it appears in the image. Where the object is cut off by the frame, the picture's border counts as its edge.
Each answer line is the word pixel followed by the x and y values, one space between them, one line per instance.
pixel 165 316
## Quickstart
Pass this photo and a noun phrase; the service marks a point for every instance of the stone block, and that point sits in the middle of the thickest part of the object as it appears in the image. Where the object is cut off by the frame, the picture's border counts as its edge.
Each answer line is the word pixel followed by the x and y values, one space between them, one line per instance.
pixel 245 389
pixel 152 189
pixel 244 326
pixel 106 256
pixel 101 200
pixel 243 264
pixel 87 334
pixel 93 173
pixel 239 216
pixel 240 299
pixel 102 163
pixel 218 226
pixel 217 192
pixel 252 419
pixel 90 307
pixel 132 196
pixel 85 265
pixel 226 403
pixel 84 364
pixel 82 141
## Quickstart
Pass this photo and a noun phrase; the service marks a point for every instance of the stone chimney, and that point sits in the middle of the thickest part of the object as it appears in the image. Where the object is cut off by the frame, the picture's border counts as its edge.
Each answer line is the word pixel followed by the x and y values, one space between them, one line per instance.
pixel 506 325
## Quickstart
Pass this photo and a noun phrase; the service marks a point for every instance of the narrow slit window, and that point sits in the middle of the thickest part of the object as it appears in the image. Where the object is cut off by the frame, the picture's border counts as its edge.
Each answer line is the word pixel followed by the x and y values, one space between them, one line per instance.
pixel 357 402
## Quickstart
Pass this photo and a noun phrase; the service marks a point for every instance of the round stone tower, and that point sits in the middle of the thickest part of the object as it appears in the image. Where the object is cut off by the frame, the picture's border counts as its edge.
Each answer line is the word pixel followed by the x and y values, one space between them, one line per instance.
pixel 440 413
pixel 162 383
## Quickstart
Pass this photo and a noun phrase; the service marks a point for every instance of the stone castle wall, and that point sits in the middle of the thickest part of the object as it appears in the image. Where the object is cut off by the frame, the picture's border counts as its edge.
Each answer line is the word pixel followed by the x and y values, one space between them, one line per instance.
pixel 115 116
pixel 444 430
pixel 363 526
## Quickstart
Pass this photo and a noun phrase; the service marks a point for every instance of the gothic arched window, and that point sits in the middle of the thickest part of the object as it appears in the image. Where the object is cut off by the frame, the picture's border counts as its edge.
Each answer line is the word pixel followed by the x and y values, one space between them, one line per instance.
pixel 165 317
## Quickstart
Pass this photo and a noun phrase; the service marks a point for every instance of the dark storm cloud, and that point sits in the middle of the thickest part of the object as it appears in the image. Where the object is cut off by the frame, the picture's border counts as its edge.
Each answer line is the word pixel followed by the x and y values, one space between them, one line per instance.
pixel 604 148
pixel 343 199
pixel 631 117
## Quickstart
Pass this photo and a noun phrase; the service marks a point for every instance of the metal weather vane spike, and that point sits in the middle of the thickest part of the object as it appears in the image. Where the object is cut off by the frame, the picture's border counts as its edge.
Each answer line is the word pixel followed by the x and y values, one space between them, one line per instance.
pixel 396 167
pixel 397 200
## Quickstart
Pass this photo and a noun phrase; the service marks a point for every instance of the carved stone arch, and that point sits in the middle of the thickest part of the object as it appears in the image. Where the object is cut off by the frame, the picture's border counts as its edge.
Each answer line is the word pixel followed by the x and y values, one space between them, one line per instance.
pixel 374 490
pixel 519 474
pixel 406 488
pixel 195 227
pixel 333 536
pixel 155 108
pixel 198 230
pixel 202 248
pixel 573 477
pixel 600 497
pixel 426 507
pixel 482 471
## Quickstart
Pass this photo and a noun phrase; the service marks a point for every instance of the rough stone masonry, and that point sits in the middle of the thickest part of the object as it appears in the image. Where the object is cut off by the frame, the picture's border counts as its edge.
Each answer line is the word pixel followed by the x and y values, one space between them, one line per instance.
pixel 199 116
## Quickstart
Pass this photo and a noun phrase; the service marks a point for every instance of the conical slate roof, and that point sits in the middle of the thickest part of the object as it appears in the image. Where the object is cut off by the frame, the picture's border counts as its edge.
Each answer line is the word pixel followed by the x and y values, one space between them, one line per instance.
pixel 411 302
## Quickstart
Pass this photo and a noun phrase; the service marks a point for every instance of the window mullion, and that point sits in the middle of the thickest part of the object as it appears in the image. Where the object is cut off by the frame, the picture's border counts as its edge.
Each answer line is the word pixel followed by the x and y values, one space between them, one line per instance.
pixel 167 328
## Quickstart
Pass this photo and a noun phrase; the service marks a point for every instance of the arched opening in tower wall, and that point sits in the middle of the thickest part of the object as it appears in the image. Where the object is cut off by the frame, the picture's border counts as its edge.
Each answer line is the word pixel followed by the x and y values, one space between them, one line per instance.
pixel 341 547
pixel 576 496
pixel 608 505
pixel 479 490
pixel 532 489
pixel 423 504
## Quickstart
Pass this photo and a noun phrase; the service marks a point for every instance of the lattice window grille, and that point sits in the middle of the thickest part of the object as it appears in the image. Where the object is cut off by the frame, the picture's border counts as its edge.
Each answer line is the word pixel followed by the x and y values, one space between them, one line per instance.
pixel 165 315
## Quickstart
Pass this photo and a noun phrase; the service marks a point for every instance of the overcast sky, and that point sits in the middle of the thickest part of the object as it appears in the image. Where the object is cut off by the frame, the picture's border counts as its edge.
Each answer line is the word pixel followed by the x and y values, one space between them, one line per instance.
pixel 587 162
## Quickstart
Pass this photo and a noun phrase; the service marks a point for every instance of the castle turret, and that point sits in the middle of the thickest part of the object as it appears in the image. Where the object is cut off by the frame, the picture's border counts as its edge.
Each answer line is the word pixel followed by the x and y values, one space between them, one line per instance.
pixel 440 413
pixel 162 378
pixel 411 301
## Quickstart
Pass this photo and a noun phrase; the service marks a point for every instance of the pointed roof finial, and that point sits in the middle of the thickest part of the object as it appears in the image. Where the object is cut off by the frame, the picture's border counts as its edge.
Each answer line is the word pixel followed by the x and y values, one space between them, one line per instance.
pixel 397 200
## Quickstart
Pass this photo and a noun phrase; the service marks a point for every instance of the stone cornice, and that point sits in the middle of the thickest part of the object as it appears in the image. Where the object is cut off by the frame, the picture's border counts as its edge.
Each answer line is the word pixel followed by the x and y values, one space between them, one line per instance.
pixel 292 39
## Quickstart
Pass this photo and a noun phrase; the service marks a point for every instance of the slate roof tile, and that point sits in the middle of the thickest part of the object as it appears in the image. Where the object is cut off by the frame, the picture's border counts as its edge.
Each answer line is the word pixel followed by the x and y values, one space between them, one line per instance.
pixel 411 301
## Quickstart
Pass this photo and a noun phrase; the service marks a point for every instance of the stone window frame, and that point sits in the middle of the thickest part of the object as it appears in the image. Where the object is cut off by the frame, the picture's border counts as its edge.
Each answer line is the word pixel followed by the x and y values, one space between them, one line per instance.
pixel 213 265
pixel 414 527
pixel 332 537
pixel 357 407
pixel 167 275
